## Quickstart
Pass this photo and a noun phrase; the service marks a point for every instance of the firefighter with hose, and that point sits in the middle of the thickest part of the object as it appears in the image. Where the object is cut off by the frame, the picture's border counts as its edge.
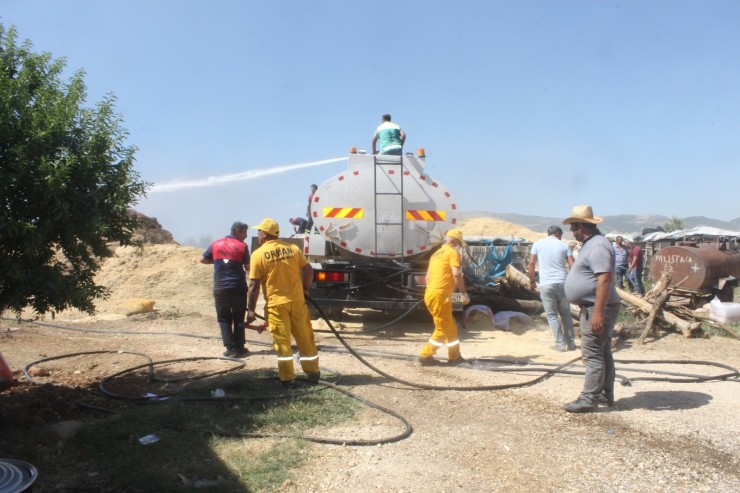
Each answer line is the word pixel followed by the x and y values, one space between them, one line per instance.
pixel 285 276
pixel 443 275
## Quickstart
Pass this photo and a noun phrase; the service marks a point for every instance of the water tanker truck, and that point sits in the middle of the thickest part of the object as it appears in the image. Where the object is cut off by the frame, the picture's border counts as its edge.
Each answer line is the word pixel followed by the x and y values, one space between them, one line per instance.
pixel 377 223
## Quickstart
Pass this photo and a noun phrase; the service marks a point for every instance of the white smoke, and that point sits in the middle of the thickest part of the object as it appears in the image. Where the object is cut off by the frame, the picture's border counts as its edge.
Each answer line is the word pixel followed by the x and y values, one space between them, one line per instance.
pixel 243 176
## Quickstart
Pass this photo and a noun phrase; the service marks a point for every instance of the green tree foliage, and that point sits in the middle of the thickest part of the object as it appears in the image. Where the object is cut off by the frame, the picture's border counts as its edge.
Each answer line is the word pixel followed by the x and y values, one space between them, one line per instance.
pixel 674 224
pixel 66 183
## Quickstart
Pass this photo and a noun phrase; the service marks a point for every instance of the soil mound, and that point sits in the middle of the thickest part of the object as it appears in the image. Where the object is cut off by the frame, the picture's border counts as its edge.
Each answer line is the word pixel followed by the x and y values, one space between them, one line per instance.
pixel 172 276
pixel 488 226
pixel 150 231
pixel 169 274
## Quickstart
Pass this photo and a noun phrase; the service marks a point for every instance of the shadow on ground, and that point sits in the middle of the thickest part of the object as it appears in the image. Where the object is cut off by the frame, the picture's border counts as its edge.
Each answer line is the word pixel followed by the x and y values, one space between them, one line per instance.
pixel 665 400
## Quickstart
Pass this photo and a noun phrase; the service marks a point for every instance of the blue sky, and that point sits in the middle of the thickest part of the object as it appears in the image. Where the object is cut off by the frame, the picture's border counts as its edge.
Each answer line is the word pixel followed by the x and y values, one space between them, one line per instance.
pixel 528 107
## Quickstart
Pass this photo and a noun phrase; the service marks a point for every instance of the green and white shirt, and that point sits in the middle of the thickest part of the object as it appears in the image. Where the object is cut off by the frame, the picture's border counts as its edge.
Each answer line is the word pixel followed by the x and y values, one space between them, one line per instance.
pixel 389 136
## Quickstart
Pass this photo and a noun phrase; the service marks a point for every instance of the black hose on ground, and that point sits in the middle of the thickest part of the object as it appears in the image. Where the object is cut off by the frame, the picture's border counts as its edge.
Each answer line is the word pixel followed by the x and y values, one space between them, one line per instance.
pixel 547 374
pixel 148 364
pixel 151 377
pixel 407 431
pixel 549 370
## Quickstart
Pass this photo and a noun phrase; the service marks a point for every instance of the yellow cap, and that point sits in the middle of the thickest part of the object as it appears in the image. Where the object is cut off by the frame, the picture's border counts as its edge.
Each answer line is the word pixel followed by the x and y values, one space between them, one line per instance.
pixel 456 234
pixel 269 226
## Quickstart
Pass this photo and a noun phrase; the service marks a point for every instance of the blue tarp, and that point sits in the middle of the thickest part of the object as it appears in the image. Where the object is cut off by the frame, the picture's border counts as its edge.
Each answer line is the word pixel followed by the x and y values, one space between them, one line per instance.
pixel 492 264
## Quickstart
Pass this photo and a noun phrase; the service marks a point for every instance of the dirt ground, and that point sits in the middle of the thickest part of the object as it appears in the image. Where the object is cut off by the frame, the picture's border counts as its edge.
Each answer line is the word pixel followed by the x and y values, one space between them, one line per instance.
pixel 660 435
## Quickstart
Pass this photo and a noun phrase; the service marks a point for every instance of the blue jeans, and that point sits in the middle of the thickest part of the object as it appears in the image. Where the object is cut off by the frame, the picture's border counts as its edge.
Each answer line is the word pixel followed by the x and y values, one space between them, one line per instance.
pixel 635 278
pixel 620 272
pixel 597 354
pixel 557 309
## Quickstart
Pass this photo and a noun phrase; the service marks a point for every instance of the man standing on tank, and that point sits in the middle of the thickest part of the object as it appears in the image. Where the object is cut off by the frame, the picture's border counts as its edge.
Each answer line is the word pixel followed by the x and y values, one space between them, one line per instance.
pixel 230 259
pixel 391 137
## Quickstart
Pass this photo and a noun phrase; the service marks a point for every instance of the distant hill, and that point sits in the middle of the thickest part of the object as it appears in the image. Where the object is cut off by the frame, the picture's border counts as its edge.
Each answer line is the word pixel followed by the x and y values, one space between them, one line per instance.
pixel 623 223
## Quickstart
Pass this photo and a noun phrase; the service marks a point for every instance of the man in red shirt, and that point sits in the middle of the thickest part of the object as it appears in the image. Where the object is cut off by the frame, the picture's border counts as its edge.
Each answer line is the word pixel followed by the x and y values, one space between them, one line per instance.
pixel 230 259
pixel 634 271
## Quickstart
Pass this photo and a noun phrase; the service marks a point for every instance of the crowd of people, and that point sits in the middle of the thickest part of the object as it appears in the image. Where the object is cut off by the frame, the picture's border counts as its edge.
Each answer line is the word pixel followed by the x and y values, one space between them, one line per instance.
pixel 585 275
pixel 281 272
pixel 628 264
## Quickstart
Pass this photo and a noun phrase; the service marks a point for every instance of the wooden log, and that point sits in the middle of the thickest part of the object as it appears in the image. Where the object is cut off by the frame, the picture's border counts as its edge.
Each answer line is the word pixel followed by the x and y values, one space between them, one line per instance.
pixel 684 326
pixel 497 303
pixel 660 286
pixel 657 306
pixel 629 331
pixel 520 279
pixel 658 297
pixel 575 310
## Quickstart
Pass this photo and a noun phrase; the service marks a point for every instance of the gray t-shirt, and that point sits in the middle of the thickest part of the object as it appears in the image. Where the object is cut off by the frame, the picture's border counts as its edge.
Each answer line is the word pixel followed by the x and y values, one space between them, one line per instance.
pixel 595 257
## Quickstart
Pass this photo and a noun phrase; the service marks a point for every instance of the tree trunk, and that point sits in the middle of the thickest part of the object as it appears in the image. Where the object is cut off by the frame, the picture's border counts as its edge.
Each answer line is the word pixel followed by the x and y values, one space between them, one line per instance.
pixel 651 318
pixel 487 296
pixel 685 327
pixel 518 278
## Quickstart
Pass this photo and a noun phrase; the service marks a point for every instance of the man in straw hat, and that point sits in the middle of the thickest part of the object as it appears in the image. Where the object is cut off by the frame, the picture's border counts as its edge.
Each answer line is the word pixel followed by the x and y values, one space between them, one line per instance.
pixel 285 276
pixel 443 275
pixel 589 285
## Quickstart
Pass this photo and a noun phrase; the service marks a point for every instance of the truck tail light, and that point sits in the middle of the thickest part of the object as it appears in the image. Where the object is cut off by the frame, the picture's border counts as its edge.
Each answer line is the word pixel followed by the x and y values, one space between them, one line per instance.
pixel 328 276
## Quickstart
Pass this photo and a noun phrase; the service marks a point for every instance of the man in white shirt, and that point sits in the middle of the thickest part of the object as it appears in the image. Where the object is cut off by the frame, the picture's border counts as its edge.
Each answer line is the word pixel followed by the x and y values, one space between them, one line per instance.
pixel 553 257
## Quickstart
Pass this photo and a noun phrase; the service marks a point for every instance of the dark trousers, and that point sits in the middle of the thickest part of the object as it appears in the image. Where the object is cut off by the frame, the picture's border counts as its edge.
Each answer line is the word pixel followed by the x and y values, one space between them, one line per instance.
pixel 231 308
pixel 597 354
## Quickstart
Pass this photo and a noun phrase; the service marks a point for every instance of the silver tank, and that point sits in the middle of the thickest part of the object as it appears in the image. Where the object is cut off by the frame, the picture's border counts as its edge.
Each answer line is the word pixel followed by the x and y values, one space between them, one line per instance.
pixel 384 207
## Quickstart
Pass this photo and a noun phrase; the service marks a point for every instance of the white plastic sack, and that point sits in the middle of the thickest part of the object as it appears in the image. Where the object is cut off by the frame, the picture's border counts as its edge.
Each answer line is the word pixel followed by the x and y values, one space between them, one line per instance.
pixel 724 312
pixel 502 319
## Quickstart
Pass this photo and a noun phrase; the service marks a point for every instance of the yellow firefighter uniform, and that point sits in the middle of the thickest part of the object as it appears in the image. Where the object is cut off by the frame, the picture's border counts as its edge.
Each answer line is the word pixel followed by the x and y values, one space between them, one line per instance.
pixel 278 265
pixel 438 299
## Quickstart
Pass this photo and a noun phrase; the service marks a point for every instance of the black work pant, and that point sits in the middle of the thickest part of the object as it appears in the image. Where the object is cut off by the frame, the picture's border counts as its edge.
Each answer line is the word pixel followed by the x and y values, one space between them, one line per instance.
pixel 231 308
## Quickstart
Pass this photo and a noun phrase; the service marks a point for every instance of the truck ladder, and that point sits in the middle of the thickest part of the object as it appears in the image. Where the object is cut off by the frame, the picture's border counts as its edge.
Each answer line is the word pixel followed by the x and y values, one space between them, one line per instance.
pixel 389 174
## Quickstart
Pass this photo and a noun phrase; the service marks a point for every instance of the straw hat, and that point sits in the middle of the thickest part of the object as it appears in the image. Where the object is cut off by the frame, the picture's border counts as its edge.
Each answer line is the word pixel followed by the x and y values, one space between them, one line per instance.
pixel 583 214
